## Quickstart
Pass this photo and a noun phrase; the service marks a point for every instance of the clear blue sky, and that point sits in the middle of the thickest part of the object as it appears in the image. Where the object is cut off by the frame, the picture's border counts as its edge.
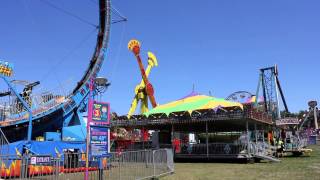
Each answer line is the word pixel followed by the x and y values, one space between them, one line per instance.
pixel 218 45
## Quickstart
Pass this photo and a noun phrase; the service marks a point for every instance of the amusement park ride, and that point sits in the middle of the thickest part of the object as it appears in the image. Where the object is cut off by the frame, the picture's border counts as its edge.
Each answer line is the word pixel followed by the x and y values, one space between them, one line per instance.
pixel 144 90
pixel 312 113
pixel 309 122
pixel 124 137
pixel 271 88
pixel 49 115
pixel 259 111
pixel 58 114
pixel 134 46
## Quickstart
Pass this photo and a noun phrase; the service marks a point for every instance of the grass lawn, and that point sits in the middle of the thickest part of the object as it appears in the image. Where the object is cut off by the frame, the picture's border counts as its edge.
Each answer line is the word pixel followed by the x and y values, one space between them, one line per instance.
pixel 304 167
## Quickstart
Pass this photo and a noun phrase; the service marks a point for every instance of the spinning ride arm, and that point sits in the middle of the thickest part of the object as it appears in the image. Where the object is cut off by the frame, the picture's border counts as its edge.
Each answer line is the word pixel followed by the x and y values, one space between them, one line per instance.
pixel 134 46
pixel 140 93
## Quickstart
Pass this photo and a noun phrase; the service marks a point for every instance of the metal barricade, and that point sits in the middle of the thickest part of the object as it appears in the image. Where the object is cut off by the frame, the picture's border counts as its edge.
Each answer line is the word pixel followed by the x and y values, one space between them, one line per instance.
pixel 145 164
pixel 163 162
pixel 211 149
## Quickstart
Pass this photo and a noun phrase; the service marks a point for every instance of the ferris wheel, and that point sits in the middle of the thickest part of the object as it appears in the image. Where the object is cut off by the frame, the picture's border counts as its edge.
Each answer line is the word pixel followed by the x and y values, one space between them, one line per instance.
pixel 240 96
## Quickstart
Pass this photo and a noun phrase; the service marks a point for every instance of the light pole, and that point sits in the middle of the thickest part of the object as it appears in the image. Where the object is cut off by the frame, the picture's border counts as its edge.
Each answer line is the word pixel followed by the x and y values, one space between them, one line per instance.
pixel 99 84
pixel 89 119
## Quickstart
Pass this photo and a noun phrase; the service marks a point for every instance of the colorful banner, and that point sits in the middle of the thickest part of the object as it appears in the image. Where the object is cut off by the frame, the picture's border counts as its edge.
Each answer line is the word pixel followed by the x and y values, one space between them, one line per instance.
pixel 99 141
pixel 100 113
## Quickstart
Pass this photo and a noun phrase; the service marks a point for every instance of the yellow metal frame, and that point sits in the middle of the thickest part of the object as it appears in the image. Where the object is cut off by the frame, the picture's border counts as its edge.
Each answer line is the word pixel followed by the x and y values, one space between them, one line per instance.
pixel 140 92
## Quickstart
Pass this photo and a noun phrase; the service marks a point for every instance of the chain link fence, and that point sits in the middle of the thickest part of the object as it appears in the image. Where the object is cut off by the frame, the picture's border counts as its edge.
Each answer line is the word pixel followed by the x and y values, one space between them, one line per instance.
pixel 131 165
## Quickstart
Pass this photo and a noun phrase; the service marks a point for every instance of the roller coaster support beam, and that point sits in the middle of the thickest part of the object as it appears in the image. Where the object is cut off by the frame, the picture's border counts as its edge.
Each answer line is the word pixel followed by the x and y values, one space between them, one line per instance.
pixel 24 103
pixel 277 86
pixel 282 96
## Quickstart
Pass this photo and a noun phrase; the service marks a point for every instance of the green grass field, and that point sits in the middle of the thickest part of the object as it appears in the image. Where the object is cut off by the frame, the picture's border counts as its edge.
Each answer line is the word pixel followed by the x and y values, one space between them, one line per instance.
pixel 293 168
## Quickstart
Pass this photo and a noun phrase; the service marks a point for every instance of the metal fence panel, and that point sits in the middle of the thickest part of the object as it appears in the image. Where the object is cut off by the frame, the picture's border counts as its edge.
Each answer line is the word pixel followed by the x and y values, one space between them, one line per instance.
pixel 133 165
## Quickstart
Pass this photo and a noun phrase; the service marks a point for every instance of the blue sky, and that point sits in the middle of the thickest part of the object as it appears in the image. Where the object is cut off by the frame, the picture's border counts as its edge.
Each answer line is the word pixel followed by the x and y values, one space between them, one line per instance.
pixel 218 45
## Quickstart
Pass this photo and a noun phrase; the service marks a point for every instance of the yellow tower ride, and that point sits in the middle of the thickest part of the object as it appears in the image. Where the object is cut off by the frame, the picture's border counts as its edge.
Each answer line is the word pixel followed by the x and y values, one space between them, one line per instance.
pixel 140 90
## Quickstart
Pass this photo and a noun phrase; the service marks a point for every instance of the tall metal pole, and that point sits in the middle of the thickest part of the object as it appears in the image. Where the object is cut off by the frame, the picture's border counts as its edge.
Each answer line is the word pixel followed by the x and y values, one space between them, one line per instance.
pixel 25 105
pixel 256 132
pixel 315 118
pixel 277 95
pixel 207 139
pixel 248 139
pixel 89 119
pixel 172 133
pixel 264 92
pixel 258 89
pixel 282 95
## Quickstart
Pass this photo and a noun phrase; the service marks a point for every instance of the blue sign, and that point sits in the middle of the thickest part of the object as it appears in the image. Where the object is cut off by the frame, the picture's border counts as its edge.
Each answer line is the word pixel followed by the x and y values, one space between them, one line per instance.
pixel 99 141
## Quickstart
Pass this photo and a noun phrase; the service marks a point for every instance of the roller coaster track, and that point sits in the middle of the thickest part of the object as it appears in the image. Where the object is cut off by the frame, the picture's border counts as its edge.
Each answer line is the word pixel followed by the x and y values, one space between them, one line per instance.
pixel 59 112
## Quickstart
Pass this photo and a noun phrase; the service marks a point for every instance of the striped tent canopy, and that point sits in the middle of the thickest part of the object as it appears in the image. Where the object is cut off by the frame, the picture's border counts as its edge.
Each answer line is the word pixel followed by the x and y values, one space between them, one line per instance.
pixel 193 102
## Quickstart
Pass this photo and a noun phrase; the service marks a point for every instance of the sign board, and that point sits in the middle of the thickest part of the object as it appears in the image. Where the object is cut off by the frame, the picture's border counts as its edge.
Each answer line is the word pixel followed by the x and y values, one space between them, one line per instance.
pixel 100 113
pixel 99 141
pixel 287 121
pixel 40 160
